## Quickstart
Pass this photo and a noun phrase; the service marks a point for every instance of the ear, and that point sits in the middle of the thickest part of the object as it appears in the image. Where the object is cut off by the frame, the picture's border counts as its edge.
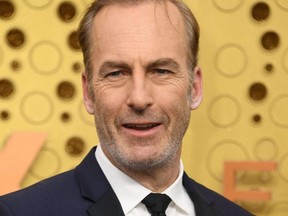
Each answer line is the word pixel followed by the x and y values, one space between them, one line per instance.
pixel 88 101
pixel 196 90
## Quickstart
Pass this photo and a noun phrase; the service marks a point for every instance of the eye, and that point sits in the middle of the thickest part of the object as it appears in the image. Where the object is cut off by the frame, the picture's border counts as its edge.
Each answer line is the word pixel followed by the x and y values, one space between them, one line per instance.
pixel 162 72
pixel 115 74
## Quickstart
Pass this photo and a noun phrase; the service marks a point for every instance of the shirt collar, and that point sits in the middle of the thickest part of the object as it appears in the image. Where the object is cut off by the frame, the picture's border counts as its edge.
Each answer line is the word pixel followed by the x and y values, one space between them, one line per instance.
pixel 130 193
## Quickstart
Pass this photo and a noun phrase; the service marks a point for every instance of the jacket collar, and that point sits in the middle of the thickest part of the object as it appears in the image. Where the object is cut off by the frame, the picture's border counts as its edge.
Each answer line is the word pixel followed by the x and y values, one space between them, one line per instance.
pixel 95 187
pixel 203 202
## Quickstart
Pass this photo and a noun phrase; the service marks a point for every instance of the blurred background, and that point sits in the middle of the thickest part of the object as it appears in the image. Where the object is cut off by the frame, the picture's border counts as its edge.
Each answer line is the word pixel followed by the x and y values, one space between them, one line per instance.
pixel 243 118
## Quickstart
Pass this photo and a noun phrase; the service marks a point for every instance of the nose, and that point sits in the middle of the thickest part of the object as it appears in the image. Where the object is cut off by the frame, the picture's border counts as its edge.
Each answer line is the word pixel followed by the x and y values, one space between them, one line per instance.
pixel 140 93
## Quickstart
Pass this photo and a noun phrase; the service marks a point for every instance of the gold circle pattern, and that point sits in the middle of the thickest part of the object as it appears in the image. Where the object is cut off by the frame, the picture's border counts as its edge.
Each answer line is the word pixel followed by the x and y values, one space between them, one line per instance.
pixel 282 4
pixel 279 111
pixel 227 5
pixel 266 149
pixel 231 60
pixel 224 151
pixel 75 146
pixel 36 107
pixel 66 11
pixel 270 40
pixel 6 88
pixel 257 92
pixel 15 38
pixel 260 11
pixel 66 90
pixel 224 111
pixel 45 57
pixel 37 4
pixel 7 9
pixel 46 164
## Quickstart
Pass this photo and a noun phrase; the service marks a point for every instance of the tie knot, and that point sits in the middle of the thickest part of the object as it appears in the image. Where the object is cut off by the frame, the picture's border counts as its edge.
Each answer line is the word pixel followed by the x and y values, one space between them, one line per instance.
pixel 156 203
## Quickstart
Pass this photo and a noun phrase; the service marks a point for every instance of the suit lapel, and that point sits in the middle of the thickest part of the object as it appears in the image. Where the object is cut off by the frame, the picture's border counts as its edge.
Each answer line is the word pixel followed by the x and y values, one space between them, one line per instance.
pixel 95 187
pixel 203 203
pixel 108 205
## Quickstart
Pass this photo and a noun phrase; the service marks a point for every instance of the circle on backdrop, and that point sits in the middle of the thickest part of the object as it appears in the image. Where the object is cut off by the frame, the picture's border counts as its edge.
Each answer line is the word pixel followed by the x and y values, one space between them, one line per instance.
pixel 231 60
pixel 269 68
pixel 38 4
pixel 265 149
pixel 260 11
pixel 45 57
pixel 73 41
pixel 85 116
pixel 270 40
pixel 15 65
pixel 227 5
pixel 77 67
pixel 6 88
pixel 36 107
pixel 75 146
pixel 224 151
pixel 65 117
pixel 15 38
pixel 66 11
pixel 256 119
pixel 257 92
pixel 46 164
pixel 285 60
pixel 4 115
pixel 7 9
pixel 66 90
pixel 282 3
pixel 279 111
pixel 224 111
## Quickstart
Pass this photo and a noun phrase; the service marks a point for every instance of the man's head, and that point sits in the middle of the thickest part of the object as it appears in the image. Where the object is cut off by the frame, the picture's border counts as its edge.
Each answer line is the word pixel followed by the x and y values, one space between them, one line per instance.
pixel 139 86
pixel 191 28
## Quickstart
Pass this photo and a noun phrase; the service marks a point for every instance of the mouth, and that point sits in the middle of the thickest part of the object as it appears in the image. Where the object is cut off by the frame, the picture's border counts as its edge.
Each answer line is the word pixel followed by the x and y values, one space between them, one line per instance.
pixel 141 127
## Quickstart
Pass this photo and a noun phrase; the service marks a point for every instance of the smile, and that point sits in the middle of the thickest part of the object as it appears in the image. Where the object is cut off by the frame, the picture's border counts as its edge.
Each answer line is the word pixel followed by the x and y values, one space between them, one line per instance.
pixel 141 127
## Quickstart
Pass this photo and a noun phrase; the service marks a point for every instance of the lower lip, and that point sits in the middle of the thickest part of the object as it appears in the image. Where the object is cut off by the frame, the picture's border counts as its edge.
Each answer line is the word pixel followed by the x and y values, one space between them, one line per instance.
pixel 142 133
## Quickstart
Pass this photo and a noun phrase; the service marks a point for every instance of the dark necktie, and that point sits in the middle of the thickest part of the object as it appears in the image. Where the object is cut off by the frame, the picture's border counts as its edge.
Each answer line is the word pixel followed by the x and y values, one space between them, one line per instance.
pixel 156 203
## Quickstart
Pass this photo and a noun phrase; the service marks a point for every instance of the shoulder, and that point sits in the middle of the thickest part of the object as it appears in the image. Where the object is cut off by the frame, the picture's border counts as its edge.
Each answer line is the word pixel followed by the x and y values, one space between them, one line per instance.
pixel 204 196
pixel 45 194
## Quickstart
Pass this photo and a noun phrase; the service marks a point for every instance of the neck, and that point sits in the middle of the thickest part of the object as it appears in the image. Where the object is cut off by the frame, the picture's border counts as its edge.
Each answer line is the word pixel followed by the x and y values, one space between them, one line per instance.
pixel 155 179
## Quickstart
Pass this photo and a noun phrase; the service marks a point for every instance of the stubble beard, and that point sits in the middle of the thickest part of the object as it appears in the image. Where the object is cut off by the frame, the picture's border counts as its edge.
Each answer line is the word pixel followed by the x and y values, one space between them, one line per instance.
pixel 109 142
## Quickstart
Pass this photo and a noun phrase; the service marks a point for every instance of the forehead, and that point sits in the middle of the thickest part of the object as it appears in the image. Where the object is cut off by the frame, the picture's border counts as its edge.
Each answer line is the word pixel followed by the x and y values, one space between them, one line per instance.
pixel 163 11
pixel 138 34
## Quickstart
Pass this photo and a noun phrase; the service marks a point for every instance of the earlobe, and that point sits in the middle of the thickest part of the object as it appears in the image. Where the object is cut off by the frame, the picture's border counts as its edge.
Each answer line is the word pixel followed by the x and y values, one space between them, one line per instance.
pixel 88 101
pixel 197 89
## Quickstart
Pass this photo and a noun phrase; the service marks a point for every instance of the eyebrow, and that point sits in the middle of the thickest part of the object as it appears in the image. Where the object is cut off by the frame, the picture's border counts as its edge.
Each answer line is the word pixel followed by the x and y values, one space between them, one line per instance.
pixel 113 65
pixel 164 62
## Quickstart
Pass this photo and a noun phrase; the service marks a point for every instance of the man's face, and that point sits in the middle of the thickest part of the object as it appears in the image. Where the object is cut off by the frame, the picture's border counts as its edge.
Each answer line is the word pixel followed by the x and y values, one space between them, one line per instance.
pixel 142 96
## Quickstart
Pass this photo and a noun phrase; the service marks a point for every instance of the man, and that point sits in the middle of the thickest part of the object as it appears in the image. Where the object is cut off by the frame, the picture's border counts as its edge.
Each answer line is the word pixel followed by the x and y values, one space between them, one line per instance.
pixel 141 82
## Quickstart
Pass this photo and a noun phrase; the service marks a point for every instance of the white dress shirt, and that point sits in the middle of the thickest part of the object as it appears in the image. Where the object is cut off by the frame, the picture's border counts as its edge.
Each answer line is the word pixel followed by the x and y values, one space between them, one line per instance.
pixel 130 193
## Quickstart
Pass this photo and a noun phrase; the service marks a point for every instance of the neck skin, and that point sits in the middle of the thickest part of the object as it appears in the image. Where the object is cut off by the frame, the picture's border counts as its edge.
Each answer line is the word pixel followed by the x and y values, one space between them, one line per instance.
pixel 156 179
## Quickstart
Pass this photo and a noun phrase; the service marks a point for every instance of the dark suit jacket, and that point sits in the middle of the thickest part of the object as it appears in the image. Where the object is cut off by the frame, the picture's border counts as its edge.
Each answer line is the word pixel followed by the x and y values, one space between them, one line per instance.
pixel 85 191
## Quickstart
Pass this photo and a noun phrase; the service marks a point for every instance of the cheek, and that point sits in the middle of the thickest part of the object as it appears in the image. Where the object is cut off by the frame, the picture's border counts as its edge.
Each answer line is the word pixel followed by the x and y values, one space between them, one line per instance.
pixel 108 103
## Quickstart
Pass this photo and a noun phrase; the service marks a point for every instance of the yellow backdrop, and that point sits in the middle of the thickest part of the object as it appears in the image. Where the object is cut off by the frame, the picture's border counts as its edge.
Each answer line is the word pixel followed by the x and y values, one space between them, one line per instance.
pixel 244 115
